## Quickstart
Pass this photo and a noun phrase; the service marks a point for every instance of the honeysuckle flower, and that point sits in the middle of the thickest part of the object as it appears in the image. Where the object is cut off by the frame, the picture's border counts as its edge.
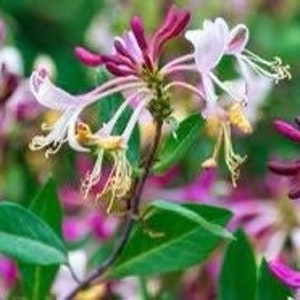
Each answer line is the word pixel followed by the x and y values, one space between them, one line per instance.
pixel 134 54
pixel 211 43
pixel 217 39
pixel 288 276
pixel 70 107
pixel 220 112
pixel 271 219
pixel 135 64
pixel 226 114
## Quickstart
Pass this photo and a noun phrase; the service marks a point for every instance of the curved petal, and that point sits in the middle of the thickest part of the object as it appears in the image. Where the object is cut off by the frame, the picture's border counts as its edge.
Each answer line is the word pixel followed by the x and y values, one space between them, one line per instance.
pixel 238 39
pixel 193 36
pixel 209 44
pixel 47 94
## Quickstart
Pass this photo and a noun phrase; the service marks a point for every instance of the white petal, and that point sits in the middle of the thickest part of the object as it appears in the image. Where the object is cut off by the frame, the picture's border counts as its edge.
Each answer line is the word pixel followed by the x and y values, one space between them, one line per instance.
pixel 48 94
pixel 223 26
pixel 193 36
pixel 209 45
pixel 238 39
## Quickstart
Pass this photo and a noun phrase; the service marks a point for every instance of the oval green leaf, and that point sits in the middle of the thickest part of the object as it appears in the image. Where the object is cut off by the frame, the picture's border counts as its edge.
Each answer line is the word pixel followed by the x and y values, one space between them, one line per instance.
pixel 25 237
pixel 191 215
pixel 180 243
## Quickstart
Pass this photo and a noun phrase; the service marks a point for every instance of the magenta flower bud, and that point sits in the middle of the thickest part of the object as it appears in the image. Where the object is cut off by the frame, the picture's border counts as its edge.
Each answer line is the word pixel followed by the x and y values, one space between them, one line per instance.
pixel 174 23
pixel 117 71
pixel 181 22
pixel 123 51
pixel 283 168
pixel 284 274
pixel 287 130
pixel 87 58
pixel 138 31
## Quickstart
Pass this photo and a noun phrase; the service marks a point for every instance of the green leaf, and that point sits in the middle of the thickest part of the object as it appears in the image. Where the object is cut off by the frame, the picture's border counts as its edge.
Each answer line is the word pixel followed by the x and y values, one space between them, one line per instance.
pixel 176 145
pixel 191 215
pixel 25 237
pixel 46 205
pixel 37 280
pixel 238 274
pixel 268 287
pixel 182 242
pixel 106 109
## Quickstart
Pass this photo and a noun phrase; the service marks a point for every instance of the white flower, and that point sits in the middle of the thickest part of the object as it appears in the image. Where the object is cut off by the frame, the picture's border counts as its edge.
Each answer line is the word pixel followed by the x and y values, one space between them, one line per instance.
pixel 70 107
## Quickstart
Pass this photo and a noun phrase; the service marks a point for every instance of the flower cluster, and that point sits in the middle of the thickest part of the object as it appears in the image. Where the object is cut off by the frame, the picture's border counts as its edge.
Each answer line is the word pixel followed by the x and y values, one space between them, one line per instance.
pixel 139 74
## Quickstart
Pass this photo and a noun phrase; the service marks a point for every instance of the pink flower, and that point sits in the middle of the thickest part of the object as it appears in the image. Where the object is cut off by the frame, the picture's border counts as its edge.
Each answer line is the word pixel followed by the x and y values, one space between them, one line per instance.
pixel 283 273
pixel 288 130
pixel 134 53
pixel 271 219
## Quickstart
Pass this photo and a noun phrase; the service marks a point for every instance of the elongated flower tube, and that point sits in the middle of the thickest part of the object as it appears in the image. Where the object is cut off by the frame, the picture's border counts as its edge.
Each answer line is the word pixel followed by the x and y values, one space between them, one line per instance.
pixel 70 108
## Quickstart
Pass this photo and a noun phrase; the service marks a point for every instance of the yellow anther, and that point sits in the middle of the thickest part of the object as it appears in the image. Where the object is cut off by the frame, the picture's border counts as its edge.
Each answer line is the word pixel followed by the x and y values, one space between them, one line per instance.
pixel 110 142
pixel 238 119
pixel 83 133
pixel 213 125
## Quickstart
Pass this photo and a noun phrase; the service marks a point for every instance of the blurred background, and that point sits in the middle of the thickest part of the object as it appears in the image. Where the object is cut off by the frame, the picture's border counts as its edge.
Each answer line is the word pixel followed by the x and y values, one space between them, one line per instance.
pixel 45 32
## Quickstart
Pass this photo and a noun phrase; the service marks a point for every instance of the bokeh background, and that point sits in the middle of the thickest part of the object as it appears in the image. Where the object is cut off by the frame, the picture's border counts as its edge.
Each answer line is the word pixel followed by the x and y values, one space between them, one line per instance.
pixel 49 30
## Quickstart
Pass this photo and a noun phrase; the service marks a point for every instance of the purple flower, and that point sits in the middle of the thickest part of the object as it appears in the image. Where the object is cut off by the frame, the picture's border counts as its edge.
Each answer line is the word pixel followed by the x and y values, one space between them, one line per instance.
pixel 288 130
pixel 134 53
pixel 283 273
